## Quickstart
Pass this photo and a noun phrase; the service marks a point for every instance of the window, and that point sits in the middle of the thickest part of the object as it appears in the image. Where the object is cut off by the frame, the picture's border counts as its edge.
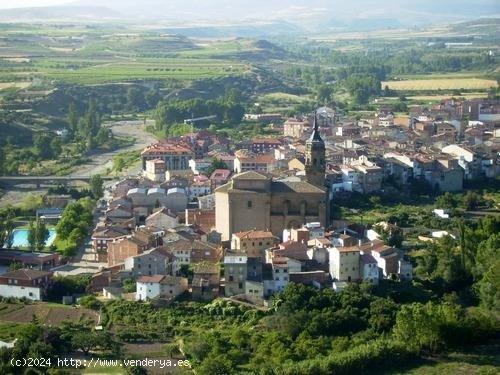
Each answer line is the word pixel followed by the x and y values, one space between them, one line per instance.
pixel 277 270
pixel 249 204
pixel 240 285
pixel 260 243
pixel 285 270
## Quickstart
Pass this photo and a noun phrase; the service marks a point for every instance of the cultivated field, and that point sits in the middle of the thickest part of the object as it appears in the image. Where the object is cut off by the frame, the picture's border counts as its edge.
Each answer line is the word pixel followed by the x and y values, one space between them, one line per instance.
pixel 441 84
pixel 430 98
pixel 45 312
pixel 19 85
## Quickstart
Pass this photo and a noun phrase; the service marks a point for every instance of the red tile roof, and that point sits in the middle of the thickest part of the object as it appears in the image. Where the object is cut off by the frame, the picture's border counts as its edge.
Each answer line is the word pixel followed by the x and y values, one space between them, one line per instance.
pixel 253 234
pixel 167 148
pixel 151 279
pixel 26 274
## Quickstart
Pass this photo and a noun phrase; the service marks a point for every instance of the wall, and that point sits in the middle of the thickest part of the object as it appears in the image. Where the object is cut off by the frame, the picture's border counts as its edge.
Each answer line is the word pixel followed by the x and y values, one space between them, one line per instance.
pixel 20 291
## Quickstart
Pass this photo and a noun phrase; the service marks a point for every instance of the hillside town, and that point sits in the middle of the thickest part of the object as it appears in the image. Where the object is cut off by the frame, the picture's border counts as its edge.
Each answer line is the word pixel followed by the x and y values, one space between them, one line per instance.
pixel 208 217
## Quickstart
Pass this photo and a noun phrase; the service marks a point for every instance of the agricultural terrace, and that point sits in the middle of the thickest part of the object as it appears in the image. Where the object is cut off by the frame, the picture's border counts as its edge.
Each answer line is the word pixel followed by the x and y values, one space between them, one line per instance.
pixel 441 84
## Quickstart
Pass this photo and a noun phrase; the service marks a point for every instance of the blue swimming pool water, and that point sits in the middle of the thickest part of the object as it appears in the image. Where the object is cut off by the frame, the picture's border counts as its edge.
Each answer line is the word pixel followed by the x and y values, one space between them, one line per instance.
pixel 20 238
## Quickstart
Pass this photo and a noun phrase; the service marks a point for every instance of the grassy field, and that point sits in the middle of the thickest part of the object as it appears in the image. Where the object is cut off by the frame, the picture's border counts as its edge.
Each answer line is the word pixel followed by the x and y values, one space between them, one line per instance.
pixel 116 70
pixel 280 101
pixel 435 84
pixel 430 98
pixel 8 331
pixel 483 360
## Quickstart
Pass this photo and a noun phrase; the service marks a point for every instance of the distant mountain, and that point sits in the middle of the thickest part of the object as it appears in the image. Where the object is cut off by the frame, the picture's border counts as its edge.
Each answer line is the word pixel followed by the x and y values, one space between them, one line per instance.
pixel 249 29
pixel 234 18
pixel 312 13
pixel 362 24
pixel 482 25
pixel 59 13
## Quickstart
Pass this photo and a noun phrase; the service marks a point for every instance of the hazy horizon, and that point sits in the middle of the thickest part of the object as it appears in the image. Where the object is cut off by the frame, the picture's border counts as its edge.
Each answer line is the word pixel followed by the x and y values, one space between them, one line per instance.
pixel 313 15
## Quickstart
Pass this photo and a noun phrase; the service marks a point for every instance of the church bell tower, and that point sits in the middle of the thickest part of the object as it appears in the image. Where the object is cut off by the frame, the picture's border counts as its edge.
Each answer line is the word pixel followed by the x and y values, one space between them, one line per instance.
pixel 315 158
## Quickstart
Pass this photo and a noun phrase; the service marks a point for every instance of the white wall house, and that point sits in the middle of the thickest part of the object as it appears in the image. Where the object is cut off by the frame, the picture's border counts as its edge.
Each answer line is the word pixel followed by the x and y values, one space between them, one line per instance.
pixel 282 267
pixel 28 283
pixel 149 287
pixel 369 269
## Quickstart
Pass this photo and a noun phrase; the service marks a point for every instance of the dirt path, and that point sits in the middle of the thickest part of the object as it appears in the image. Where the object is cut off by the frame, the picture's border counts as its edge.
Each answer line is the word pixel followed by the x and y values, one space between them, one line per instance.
pixel 101 162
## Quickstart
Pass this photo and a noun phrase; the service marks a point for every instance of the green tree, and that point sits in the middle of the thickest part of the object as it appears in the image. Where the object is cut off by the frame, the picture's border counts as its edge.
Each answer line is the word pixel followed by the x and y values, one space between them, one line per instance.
pixel 2 160
pixel 96 186
pixel 42 145
pixel 102 136
pixel 56 146
pixel 15 266
pixel 118 163
pixel 324 93
pixel 90 302
pixel 42 234
pixel 489 287
pixel 136 370
pixel 427 327
pixel 32 233
pixel 447 200
pixel 216 164
pixel 487 253
pixel 219 365
pixel 31 202
pixel 73 118
pixel 6 228
pixel 135 98
pixel 392 235
pixel 471 200
pixel 90 143
pixel 129 286
pixel 362 87
pixel 85 341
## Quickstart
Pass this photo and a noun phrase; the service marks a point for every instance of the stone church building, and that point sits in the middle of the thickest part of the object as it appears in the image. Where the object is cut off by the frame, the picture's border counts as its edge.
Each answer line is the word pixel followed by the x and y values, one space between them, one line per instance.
pixel 252 200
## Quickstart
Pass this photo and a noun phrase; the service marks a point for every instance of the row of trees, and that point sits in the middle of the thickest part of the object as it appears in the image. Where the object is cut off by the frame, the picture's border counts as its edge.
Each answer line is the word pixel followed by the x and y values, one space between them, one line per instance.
pixel 87 128
pixel 322 332
pixel 466 265
pixel 75 224
pixel 225 109
pixel 37 234
pixel 40 341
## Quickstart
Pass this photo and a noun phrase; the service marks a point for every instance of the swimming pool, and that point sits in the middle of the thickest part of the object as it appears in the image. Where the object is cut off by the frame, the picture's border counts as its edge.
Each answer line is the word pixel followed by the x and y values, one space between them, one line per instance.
pixel 20 238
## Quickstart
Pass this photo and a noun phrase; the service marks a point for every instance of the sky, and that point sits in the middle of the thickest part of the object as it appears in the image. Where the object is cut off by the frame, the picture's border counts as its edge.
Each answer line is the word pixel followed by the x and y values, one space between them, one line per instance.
pixel 29 3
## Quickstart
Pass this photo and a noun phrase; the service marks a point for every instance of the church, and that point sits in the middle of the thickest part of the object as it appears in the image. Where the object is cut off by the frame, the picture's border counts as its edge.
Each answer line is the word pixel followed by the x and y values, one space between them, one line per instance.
pixel 252 200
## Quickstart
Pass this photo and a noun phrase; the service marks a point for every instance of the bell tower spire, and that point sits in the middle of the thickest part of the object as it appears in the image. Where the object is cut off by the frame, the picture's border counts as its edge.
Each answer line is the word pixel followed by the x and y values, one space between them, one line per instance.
pixel 315 157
